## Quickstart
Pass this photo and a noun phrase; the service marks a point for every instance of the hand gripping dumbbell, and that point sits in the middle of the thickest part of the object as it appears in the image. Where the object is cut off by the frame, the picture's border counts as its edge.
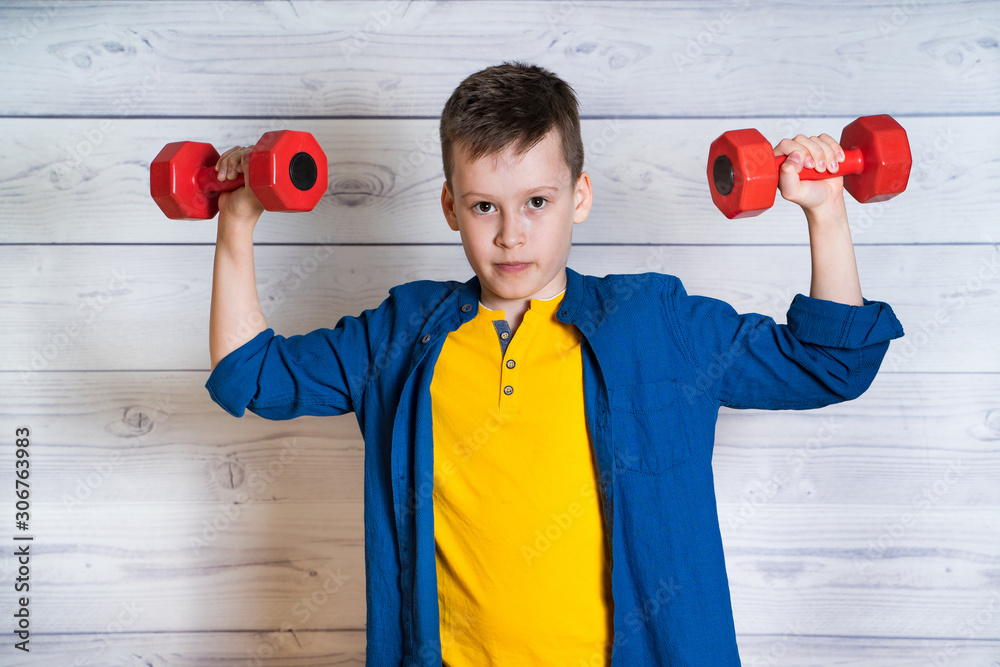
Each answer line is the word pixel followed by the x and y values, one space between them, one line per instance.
pixel 286 170
pixel 743 170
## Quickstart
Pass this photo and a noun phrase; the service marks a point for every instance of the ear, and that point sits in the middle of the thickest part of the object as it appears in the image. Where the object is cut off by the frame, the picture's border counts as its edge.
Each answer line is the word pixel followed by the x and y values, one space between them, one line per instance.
pixel 584 198
pixel 448 206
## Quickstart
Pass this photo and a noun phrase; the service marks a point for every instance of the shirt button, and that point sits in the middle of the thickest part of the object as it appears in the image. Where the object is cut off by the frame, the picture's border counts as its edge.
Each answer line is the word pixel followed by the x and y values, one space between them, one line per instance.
pixel 508 390
pixel 505 335
pixel 425 338
pixel 466 308
pixel 510 363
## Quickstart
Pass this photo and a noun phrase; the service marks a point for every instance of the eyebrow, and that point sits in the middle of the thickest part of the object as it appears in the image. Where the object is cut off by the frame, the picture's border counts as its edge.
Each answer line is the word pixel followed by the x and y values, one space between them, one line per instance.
pixel 479 195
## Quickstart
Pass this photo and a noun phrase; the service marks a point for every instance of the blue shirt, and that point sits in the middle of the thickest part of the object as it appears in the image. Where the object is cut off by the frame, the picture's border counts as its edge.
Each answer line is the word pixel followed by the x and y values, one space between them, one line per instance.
pixel 657 364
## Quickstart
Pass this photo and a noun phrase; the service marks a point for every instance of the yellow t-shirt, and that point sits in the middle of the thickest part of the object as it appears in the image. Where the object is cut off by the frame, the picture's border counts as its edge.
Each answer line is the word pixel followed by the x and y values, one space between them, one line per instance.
pixel 522 567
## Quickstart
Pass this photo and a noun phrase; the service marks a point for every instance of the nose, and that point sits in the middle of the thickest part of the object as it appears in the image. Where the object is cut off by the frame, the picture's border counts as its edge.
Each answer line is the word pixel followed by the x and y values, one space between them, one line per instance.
pixel 512 231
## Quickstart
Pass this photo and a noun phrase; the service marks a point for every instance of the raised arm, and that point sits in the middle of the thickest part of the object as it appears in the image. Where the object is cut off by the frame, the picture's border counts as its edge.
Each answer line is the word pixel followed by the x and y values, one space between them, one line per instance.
pixel 834 268
pixel 236 316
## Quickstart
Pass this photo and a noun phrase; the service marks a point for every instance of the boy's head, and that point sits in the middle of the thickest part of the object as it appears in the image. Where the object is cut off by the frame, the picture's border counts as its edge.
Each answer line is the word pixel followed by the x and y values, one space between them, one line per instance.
pixel 510 105
pixel 514 180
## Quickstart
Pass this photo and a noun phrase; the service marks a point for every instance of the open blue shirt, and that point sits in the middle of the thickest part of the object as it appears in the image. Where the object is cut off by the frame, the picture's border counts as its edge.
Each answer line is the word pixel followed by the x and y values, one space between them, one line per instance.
pixel 657 364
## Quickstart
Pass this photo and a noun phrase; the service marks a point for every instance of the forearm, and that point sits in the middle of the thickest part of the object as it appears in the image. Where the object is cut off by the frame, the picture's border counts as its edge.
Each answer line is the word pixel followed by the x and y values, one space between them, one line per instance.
pixel 834 268
pixel 236 316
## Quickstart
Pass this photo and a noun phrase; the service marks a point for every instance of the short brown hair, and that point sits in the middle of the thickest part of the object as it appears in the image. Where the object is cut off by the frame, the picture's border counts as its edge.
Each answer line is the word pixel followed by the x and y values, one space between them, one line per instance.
pixel 513 104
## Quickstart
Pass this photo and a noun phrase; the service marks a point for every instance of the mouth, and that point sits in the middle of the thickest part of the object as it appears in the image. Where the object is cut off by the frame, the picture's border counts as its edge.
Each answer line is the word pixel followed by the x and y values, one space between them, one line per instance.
pixel 513 267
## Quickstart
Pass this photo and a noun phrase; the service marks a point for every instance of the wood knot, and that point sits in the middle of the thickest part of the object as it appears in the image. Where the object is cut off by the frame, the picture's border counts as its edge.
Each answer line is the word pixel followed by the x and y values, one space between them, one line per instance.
pixel 229 473
pixel 70 173
pixel 135 421
pixel 358 183
pixel 989 428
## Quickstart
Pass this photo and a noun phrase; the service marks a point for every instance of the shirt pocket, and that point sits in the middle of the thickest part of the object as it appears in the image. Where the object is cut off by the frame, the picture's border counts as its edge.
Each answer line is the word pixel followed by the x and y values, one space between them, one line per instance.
pixel 649 431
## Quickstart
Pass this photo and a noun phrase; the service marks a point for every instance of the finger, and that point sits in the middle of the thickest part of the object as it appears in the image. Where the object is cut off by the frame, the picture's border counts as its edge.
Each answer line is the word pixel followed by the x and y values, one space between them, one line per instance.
pixel 796 152
pixel 833 150
pixel 227 154
pixel 833 145
pixel 786 147
pixel 231 162
pixel 222 164
pixel 236 163
pixel 816 157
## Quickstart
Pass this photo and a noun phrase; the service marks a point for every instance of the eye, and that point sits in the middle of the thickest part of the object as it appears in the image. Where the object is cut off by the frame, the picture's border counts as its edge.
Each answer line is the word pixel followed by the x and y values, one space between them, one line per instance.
pixel 484 207
pixel 536 202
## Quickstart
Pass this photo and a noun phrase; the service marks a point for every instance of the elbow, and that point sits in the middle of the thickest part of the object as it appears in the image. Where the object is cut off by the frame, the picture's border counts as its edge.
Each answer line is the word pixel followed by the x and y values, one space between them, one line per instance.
pixel 856 386
pixel 862 373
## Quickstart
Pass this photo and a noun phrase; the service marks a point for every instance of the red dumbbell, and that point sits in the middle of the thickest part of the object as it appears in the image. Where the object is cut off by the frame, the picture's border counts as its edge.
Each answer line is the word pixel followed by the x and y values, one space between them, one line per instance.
pixel 743 170
pixel 286 170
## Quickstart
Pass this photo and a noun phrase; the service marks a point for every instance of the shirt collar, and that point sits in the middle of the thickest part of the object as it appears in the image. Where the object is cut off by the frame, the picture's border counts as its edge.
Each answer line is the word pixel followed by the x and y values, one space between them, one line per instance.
pixel 552 301
pixel 470 292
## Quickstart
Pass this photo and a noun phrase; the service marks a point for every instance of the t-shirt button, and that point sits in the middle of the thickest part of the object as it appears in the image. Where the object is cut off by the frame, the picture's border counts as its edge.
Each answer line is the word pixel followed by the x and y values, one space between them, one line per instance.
pixel 510 363
pixel 505 335
pixel 426 338
pixel 466 308
pixel 508 390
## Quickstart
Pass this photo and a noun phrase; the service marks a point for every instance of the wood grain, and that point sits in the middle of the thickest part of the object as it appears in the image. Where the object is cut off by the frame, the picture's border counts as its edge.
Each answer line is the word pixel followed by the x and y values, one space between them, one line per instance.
pixel 857 570
pixel 834 569
pixel 146 307
pixel 195 566
pixel 795 650
pixel 87 181
pixel 303 648
pixel 157 437
pixel 403 59
pixel 191 525
pixel 324 648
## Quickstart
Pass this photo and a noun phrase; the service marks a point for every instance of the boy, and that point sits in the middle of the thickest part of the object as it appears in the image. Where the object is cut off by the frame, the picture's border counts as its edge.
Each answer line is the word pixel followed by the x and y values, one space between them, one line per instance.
pixel 538 443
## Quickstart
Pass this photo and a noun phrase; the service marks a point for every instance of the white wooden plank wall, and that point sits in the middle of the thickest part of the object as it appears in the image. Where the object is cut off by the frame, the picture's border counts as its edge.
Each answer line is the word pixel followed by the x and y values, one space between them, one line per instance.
pixel 169 533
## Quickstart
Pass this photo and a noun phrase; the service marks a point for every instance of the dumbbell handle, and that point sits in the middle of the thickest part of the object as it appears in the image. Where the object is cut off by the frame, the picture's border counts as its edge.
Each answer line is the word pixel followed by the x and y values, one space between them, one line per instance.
pixel 854 163
pixel 206 179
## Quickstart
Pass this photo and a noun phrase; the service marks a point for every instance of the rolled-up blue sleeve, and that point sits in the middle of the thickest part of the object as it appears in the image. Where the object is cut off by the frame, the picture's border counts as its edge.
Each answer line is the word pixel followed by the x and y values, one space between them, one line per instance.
pixel 233 382
pixel 323 372
pixel 827 352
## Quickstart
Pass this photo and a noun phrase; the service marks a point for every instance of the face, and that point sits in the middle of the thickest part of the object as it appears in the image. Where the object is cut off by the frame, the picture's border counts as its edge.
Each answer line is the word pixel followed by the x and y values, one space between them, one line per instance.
pixel 516 214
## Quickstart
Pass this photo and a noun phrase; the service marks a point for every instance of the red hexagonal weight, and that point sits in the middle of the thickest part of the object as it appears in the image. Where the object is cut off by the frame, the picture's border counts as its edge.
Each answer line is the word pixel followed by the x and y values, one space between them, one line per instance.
pixel 886 151
pixel 742 174
pixel 173 183
pixel 288 171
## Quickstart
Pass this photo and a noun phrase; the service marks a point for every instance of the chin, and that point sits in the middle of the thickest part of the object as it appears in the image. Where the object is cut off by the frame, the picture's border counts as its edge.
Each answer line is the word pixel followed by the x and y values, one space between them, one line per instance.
pixel 511 291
